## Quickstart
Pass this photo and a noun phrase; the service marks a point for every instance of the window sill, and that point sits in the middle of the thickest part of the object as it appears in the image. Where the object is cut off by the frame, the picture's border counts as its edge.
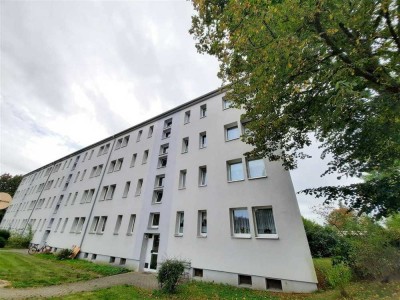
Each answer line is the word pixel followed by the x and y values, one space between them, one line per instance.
pixel 238 138
pixel 232 181
pixel 184 152
pixel 186 123
pixel 202 236
pixel 100 233
pixel 129 234
pixel 203 147
pixel 244 236
pixel 115 233
pixel 178 235
pixel 182 188
pixel 204 185
pixel 160 202
pixel 202 117
pixel 268 237
pixel 254 178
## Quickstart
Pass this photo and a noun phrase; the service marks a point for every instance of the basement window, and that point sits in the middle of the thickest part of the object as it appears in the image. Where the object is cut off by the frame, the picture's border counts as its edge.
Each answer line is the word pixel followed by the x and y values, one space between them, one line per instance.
pixel 274 284
pixel 245 280
pixel 197 272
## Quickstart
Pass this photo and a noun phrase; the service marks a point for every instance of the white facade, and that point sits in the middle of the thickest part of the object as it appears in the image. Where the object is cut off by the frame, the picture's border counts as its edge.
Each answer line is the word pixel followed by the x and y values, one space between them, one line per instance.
pixel 175 186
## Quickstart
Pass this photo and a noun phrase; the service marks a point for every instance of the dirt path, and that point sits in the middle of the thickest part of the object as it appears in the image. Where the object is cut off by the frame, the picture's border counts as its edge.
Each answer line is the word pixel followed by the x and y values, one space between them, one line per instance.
pixel 143 280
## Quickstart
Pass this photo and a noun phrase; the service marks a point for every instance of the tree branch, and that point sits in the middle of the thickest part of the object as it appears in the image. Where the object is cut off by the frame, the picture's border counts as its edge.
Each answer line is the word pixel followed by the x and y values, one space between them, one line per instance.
pixel 391 29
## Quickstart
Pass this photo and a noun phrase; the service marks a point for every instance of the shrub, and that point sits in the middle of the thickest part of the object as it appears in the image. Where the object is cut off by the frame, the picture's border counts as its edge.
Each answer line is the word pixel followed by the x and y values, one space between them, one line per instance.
pixel 2 242
pixel 169 274
pixel 4 234
pixel 64 254
pixel 321 239
pixel 338 276
pixel 18 240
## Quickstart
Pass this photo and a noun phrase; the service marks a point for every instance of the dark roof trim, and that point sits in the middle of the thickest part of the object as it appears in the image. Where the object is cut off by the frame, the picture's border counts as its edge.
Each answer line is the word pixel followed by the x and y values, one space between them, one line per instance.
pixel 204 97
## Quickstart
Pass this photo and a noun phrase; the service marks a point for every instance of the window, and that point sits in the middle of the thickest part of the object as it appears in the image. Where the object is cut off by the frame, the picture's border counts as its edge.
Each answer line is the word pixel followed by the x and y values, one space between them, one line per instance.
pixel 103 193
pixel 90 196
pixel 80 225
pixel 83 175
pixel 139 135
pixel 74 224
pixel 203 176
pixel 139 187
pixel 98 171
pixel 203 111
pixel 91 154
pixel 58 224
pixel 112 259
pixel 112 166
pixel 77 175
pixel 118 164
pixel 157 196
pixel 126 189
pixel 226 104
pixel 256 168
pixel 69 197
pixel 232 132
pixel 93 172
pixel 264 222
pixel 151 129
pixel 133 161
pixel 180 218
pixel 159 183
pixel 64 225
pixel 240 222
pixel 118 224
pixel 187 117
pixel 131 225
pixel 102 225
pixel 94 226
pixel 167 123
pixel 162 162
pixel 185 145
pixel 125 141
pixel 274 284
pixel 202 229
pixel 182 179
pixel 84 158
pixel 154 220
pixel 166 133
pixel 145 156
pixel 235 170
pixel 84 196
pixel 245 280
pixel 110 193
pixel 101 149
pixel 106 148
pixel 118 144
pixel 75 196
pixel 197 272
pixel 203 140
pixel 164 149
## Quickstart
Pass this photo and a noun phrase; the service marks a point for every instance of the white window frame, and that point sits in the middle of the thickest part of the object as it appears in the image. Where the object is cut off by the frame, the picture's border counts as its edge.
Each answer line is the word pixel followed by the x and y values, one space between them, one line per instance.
pixel 229 165
pixel 156 199
pixel 95 224
pixel 180 223
pixel 182 179
pixel 139 135
pixel 164 149
pixel 240 234
pixel 133 160
pixel 203 111
pixel 131 225
pixel 203 140
pixel 200 231
pixel 150 133
pixel 203 176
pixel 139 187
pixel 111 192
pixel 186 119
pixel 249 169
pixel 152 218
pixel 145 157
pixel 118 223
pixel 272 235
pixel 230 127
pixel 126 189
pixel 160 181
pixel 185 145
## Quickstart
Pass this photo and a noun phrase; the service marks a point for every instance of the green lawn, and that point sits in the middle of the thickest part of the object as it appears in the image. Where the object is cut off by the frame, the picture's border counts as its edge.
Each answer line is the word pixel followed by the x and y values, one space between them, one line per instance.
pixel 199 290
pixel 44 270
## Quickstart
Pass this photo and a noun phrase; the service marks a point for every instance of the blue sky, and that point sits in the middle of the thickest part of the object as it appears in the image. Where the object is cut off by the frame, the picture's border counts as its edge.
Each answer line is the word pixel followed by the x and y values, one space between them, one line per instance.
pixel 75 72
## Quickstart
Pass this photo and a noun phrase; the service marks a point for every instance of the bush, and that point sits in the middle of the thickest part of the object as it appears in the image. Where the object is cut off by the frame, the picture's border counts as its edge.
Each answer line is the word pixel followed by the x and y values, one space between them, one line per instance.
pixel 4 234
pixel 64 254
pixel 321 239
pixel 338 276
pixel 18 240
pixel 169 274
pixel 2 242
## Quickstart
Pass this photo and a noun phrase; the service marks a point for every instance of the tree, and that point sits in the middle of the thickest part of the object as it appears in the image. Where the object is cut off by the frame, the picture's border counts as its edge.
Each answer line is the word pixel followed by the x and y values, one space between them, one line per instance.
pixel 9 184
pixel 326 67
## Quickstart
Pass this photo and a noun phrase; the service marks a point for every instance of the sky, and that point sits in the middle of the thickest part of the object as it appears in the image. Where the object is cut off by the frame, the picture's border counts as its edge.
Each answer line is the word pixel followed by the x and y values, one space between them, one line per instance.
pixel 75 72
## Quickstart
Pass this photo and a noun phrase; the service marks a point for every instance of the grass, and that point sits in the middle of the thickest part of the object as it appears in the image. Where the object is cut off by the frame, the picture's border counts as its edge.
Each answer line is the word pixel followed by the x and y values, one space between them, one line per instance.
pixel 44 270
pixel 201 290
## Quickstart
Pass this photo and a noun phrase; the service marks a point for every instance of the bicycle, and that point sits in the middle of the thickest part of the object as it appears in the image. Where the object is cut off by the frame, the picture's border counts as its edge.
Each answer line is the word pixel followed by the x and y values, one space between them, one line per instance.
pixel 36 249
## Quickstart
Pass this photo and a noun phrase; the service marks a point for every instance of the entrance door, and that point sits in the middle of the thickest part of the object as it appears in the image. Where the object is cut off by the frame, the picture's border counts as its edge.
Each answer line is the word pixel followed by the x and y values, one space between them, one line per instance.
pixel 150 263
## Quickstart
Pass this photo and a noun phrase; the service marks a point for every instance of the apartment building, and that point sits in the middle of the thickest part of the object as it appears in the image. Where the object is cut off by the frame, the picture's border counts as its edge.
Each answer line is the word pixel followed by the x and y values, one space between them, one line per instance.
pixel 175 186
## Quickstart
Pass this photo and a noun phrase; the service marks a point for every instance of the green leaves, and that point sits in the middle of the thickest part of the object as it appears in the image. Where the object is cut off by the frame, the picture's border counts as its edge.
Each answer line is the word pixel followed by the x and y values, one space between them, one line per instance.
pixel 327 67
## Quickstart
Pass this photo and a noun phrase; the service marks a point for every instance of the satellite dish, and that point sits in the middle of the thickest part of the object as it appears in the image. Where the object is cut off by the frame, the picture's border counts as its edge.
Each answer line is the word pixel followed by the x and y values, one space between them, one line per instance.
pixel 5 200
